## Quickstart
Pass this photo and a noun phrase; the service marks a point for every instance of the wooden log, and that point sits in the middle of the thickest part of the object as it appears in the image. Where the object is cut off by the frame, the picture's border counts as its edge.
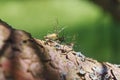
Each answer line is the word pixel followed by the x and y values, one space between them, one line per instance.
pixel 23 57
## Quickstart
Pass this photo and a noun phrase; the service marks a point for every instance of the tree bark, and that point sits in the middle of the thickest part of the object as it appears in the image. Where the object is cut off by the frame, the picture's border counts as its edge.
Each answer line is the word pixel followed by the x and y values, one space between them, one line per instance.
pixel 23 57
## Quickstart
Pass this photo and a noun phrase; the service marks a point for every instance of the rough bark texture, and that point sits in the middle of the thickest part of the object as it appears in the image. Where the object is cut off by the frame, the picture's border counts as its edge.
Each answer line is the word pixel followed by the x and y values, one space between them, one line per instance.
pixel 25 58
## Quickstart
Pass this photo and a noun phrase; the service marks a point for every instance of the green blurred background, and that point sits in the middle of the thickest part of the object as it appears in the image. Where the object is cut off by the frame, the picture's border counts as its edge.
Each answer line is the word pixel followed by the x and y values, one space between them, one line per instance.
pixel 89 27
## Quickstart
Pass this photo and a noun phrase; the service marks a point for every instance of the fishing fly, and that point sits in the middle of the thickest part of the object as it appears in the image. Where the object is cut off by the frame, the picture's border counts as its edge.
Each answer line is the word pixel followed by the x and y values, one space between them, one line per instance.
pixel 55 35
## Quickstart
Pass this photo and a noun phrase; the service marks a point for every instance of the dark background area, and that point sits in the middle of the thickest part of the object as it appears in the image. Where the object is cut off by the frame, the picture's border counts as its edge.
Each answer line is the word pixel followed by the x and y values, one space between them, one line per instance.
pixel 91 28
